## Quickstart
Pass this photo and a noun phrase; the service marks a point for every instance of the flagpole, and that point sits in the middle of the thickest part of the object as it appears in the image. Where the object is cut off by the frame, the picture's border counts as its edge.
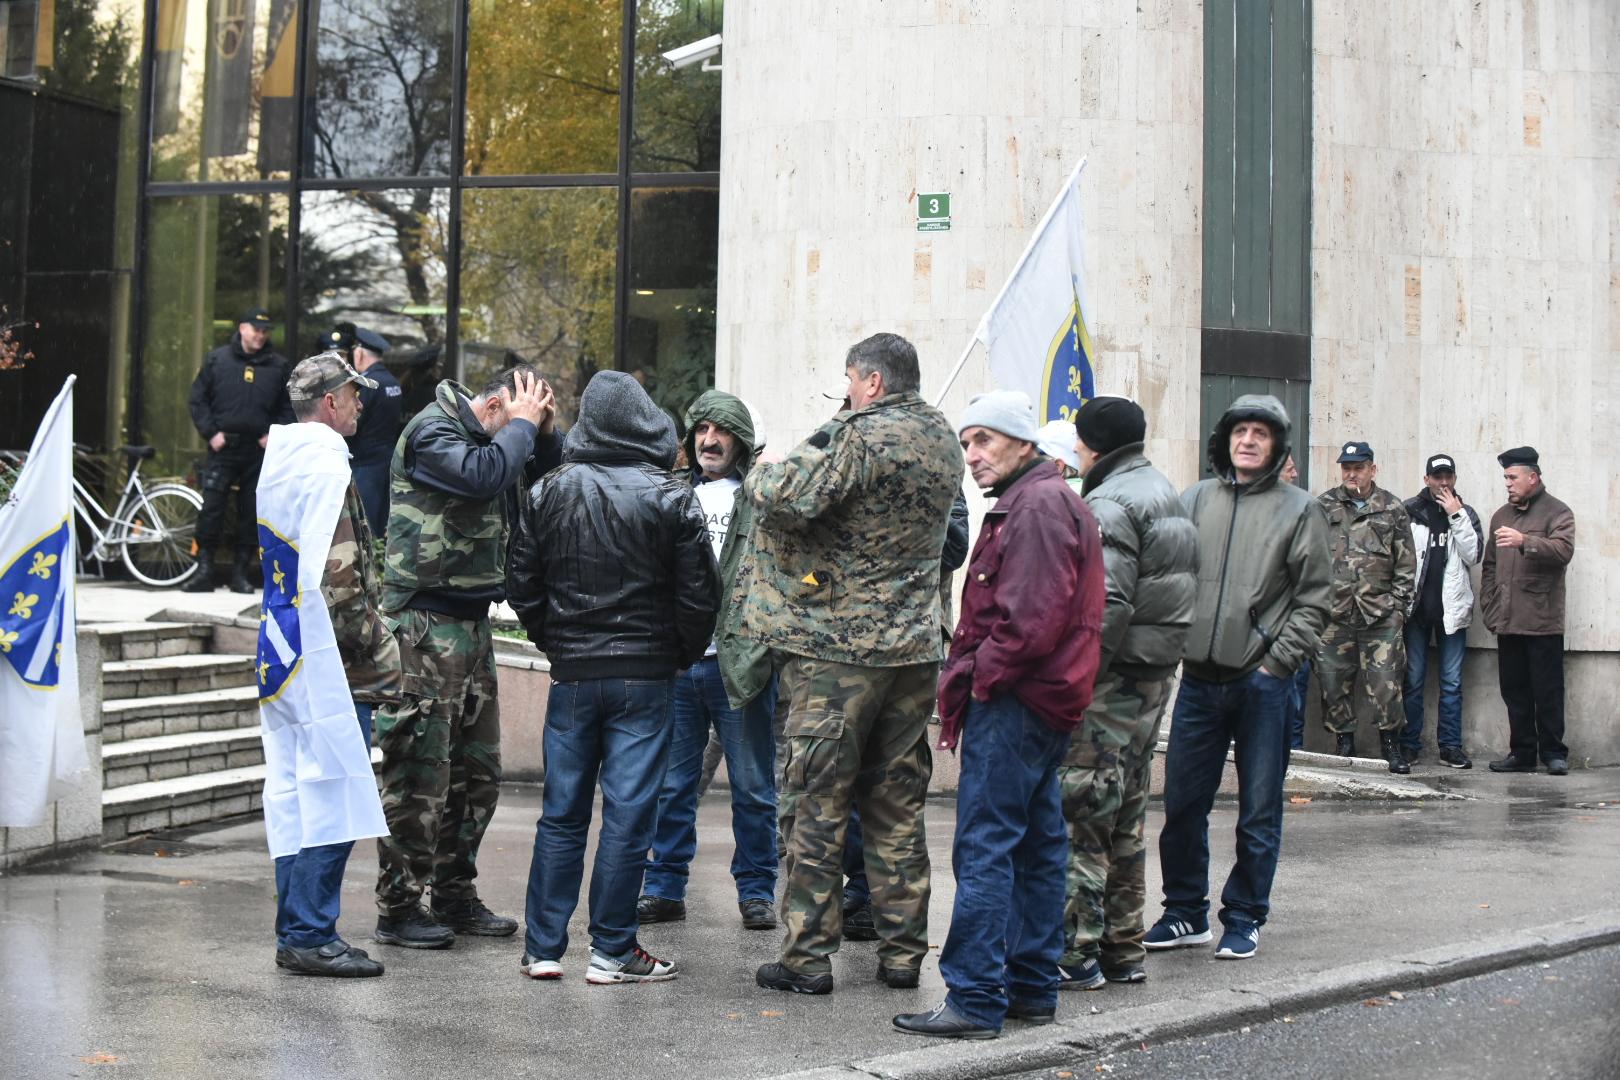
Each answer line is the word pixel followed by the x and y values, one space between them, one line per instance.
pixel 1019 265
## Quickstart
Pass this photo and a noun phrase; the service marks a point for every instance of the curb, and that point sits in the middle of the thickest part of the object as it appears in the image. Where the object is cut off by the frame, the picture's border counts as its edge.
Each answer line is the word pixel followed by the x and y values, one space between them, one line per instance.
pixel 1067 1041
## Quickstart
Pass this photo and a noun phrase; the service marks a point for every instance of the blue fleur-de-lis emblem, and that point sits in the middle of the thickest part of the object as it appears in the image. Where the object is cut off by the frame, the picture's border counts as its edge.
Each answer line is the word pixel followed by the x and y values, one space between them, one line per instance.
pixel 22 605
pixel 42 565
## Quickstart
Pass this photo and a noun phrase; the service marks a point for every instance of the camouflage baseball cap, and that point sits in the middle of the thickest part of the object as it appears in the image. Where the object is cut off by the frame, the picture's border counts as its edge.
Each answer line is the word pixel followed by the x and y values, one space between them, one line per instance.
pixel 321 374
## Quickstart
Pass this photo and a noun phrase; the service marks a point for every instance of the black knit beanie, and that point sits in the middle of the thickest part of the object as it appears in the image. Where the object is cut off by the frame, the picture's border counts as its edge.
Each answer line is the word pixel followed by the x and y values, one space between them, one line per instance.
pixel 1107 423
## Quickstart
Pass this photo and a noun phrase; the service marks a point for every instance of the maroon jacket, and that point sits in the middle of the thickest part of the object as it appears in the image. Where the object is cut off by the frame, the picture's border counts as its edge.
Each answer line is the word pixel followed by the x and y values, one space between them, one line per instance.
pixel 1032 607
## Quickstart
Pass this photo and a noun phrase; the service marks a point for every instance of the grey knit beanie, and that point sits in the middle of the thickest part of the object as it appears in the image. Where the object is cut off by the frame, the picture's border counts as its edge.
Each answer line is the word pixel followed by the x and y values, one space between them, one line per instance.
pixel 1006 411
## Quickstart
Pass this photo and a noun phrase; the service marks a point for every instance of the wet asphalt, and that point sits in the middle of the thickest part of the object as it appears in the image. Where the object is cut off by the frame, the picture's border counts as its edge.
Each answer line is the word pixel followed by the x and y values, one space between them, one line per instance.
pixel 155 958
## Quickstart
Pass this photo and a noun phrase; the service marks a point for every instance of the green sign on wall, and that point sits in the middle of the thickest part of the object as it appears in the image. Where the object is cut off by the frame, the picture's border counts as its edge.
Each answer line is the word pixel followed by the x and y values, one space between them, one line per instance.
pixel 934 212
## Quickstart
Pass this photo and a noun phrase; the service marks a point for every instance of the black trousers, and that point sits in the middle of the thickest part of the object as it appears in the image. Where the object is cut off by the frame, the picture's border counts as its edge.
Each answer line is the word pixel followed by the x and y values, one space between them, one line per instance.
pixel 1530 668
pixel 236 464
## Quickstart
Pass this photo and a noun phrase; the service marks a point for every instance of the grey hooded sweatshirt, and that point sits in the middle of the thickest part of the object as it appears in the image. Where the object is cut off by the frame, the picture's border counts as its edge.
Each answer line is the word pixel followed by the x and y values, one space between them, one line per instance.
pixel 1265 578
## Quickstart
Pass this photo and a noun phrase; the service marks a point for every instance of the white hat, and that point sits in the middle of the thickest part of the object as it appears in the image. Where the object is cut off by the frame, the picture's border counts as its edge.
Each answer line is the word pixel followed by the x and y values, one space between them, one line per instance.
pixel 1006 411
pixel 1056 441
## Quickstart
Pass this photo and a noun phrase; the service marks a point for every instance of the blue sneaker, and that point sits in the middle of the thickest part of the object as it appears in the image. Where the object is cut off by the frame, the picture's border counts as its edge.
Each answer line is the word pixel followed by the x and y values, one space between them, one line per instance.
pixel 1238 943
pixel 1170 933
pixel 1086 976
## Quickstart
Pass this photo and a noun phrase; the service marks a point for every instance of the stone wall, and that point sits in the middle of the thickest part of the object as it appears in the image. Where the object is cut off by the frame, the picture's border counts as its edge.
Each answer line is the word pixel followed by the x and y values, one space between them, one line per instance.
pixel 838 114
pixel 74 820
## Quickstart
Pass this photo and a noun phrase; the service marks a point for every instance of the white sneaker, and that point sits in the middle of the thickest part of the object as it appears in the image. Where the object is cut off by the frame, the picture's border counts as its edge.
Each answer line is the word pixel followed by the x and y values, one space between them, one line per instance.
pixel 638 965
pixel 541 969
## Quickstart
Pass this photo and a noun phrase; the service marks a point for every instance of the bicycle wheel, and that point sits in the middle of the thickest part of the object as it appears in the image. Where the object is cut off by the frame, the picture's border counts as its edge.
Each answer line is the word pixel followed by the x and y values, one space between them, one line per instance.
pixel 161 535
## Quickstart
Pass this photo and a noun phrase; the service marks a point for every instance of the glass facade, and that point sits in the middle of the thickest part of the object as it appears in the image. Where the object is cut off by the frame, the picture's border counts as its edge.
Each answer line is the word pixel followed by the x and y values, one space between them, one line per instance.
pixel 480 181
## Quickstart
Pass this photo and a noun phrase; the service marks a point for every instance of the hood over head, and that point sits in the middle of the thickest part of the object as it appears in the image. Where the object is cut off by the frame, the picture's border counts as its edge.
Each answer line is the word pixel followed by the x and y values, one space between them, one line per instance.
pixel 619 422
pixel 1250 407
pixel 723 410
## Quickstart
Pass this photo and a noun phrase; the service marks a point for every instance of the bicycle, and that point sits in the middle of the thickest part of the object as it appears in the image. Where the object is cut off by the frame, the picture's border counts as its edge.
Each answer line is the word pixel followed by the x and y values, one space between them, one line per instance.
pixel 154 531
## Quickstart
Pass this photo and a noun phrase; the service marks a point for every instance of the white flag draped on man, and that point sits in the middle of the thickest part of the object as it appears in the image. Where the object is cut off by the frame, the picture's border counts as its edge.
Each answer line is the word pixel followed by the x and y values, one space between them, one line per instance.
pixel 318 784
pixel 41 732
pixel 1037 331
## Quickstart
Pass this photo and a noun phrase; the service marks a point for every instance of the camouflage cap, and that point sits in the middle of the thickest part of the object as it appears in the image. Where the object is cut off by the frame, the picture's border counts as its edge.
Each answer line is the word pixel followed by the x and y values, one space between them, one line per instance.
pixel 320 375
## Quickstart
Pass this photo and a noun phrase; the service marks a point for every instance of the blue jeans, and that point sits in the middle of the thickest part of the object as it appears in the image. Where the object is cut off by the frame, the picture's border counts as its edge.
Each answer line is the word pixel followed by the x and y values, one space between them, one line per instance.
pixel 1009 858
pixel 1209 717
pixel 749 742
pixel 1296 706
pixel 309 885
pixel 1452 647
pixel 371 481
pixel 618 729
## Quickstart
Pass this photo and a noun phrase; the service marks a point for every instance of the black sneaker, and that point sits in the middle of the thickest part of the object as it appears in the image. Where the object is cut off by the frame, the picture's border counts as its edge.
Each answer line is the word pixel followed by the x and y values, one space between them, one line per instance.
pixel 897 978
pixel 651 909
pixel 1345 746
pixel 942 1022
pixel 415 928
pixel 1031 1014
pixel 1455 758
pixel 470 916
pixel 1557 766
pixel 336 959
pixel 1512 764
pixel 781 977
pixel 756 915
pixel 859 924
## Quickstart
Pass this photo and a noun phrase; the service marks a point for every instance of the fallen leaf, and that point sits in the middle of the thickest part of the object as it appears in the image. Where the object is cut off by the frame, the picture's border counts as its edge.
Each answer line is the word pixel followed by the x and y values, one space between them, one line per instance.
pixel 1551 978
pixel 773 1013
pixel 1375 1003
pixel 1065 1076
pixel 186 881
pixel 1482 907
pixel 733 1016
pixel 1508 1001
pixel 1144 1048
pixel 1397 995
pixel 1584 817
pixel 1299 800
pixel 100 1058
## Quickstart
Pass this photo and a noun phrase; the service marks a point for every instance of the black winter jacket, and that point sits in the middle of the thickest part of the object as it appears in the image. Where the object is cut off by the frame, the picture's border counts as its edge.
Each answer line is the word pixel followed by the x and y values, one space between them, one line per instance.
pixel 240 394
pixel 612 573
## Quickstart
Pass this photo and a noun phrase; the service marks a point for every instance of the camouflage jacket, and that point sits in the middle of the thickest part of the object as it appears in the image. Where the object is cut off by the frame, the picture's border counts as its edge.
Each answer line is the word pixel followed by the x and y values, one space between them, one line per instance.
pixel 352 592
pixel 849 530
pixel 1374 562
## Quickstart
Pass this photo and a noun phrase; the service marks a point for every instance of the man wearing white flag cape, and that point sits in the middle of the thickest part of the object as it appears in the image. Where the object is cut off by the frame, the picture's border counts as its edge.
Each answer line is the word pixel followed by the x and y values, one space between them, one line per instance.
pixel 41 732
pixel 324 658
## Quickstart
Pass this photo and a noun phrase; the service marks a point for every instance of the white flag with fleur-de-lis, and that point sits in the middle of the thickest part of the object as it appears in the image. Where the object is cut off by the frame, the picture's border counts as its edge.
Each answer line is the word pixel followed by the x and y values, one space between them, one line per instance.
pixel 318 785
pixel 41 731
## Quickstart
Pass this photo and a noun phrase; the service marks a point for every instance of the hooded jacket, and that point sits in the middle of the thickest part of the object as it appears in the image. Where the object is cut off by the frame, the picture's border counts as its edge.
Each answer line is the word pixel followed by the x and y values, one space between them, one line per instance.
pixel 1265 582
pixel 745 664
pixel 612 573
pixel 1150 556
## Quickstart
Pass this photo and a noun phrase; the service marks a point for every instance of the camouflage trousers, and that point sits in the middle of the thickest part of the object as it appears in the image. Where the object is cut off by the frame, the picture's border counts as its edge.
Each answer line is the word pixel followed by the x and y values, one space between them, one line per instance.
pixel 1378 653
pixel 441 769
pixel 857 736
pixel 1104 780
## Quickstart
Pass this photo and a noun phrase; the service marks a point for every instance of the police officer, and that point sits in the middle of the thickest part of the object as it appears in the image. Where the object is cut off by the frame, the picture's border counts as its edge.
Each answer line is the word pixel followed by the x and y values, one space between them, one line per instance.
pixel 1374 573
pixel 240 391
pixel 371 447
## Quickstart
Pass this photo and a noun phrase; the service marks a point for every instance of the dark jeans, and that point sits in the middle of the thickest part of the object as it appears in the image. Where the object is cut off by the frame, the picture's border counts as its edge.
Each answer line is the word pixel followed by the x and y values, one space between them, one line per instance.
pixel 618 728
pixel 1530 669
pixel 749 742
pixel 309 885
pixel 1009 858
pixel 857 893
pixel 237 464
pixel 371 481
pixel 1451 647
pixel 1210 717
pixel 1296 706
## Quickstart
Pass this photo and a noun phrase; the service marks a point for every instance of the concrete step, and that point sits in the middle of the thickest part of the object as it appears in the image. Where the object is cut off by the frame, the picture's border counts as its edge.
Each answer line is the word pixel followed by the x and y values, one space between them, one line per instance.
pixel 184 800
pixel 165 757
pixel 144 640
pixel 175 714
pixel 162 676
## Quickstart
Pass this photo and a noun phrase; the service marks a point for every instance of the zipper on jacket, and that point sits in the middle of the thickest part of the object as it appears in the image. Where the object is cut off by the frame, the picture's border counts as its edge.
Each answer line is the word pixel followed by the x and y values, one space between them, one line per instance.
pixel 1226 560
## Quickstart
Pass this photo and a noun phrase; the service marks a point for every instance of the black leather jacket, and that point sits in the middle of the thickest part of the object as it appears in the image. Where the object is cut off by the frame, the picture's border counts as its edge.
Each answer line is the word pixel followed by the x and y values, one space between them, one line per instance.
pixel 612 572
